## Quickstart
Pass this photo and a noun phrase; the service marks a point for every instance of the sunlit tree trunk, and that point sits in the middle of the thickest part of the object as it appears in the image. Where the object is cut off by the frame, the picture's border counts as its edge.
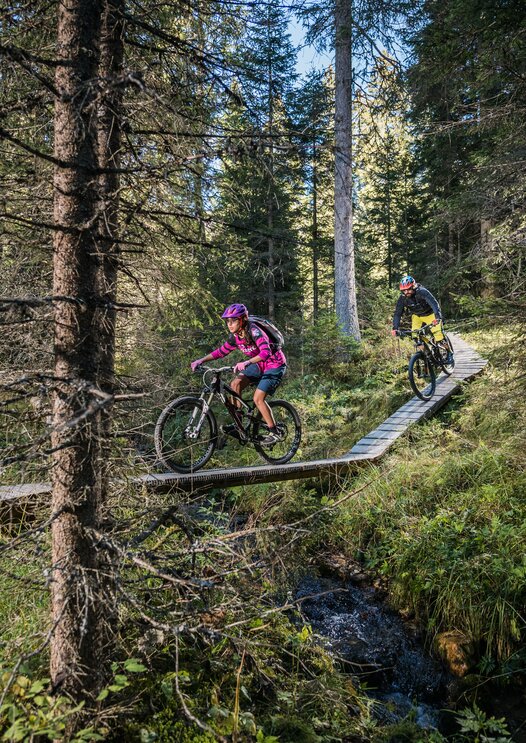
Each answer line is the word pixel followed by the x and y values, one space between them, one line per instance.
pixel 344 270
pixel 315 278
pixel 389 236
pixel 270 192
pixel 487 251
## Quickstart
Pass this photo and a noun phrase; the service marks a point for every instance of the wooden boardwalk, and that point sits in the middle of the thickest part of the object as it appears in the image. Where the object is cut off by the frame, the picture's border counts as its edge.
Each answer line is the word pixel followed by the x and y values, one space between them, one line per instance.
pixel 468 363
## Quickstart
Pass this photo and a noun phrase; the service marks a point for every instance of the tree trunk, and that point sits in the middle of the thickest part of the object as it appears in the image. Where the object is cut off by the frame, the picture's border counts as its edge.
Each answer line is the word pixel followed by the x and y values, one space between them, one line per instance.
pixel 270 193
pixel 109 151
pixel 77 611
pixel 198 168
pixel 344 271
pixel 451 241
pixel 487 251
pixel 389 237
pixel 315 278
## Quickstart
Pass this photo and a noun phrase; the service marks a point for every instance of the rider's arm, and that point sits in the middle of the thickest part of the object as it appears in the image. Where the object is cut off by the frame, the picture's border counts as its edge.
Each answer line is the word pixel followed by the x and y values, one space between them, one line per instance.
pixel 206 358
pixel 225 349
pixel 262 342
pixel 398 313
pixel 430 299
pixel 264 350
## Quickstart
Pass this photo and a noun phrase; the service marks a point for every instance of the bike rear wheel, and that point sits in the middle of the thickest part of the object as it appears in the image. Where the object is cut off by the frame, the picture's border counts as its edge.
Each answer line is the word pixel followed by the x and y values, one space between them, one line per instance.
pixel 185 436
pixel 447 368
pixel 288 424
pixel 422 376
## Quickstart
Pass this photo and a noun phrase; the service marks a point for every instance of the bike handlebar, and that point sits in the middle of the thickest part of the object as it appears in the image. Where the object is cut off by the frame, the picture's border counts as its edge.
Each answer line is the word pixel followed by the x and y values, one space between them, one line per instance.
pixel 206 369
pixel 406 333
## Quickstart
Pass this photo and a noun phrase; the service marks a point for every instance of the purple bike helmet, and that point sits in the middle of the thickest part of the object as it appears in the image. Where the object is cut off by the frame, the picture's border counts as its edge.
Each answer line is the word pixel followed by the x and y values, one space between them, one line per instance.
pixel 235 310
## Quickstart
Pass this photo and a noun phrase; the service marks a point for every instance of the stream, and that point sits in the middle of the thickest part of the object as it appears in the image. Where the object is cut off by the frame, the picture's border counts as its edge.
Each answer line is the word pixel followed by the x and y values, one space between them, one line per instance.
pixel 374 644
pixel 388 657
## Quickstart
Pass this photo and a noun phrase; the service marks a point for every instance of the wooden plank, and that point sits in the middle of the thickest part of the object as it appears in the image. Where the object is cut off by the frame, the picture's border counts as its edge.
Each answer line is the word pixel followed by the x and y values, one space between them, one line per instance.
pixel 377 435
pixel 403 417
pixel 393 426
pixel 27 490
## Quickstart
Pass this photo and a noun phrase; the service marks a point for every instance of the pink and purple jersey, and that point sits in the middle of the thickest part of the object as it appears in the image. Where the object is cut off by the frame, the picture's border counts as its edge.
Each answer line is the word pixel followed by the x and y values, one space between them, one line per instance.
pixel 257 344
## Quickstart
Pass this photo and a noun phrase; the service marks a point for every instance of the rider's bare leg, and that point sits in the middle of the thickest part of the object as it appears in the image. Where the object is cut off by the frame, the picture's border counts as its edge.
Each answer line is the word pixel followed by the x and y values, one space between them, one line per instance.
pixel 238 385
pixel 264 409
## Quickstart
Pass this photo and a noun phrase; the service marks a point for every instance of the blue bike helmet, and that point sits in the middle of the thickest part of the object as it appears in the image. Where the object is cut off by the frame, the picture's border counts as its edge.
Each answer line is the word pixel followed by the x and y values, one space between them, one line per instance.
pixel 407 282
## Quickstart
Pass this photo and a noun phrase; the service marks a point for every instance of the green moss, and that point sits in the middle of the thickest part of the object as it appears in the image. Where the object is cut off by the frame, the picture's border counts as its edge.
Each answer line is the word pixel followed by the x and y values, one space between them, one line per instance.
pixel 164 728
pixel 293 730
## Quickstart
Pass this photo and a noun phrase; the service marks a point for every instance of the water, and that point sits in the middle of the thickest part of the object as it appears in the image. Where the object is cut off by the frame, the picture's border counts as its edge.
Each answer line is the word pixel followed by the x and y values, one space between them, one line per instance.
pixel 376 645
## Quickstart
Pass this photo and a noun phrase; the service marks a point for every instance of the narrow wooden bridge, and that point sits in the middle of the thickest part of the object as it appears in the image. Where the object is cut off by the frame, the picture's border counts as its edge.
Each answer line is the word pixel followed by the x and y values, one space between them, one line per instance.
pixel 468 363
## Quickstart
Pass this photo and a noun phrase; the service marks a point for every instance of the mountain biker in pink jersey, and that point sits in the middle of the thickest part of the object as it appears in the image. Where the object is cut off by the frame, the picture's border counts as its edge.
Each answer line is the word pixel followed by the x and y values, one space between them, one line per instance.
pixel 264 368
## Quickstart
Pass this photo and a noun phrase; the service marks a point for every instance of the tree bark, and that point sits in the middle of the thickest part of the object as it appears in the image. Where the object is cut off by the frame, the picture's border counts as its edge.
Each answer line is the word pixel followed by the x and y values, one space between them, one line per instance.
pixel 315 278
pixel 344 270
pixel 271 288
pixel 76 585
pixel 389 236
pixel 487 251
pixel 109 156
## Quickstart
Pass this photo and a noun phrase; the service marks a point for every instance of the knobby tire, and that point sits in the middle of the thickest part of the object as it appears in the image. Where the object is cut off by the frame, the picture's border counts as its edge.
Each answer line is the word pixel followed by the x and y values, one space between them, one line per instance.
pixel 422 372
pixel 447 368
pixel 288 421
pixel 174 447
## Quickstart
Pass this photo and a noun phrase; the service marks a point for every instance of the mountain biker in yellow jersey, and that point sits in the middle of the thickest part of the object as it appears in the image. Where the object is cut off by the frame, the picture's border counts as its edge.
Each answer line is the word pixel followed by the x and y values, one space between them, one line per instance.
pixel 423 307
pixel 265 367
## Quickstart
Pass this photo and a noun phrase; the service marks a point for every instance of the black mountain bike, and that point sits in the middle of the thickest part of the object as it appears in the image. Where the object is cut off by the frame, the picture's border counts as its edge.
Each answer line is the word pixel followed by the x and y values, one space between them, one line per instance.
pixel 430 355
pixel 186 434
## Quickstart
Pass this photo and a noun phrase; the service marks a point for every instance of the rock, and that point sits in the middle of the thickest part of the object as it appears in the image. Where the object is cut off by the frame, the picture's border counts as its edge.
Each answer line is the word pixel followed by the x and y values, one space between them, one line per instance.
pixel 455 648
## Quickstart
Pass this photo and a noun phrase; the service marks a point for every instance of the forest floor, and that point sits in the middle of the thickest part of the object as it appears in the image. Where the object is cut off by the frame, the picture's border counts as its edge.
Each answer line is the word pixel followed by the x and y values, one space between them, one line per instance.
pixel 439 521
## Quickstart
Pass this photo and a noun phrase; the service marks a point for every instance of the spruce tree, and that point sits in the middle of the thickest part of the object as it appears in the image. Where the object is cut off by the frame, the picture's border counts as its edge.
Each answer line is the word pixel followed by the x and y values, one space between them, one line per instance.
pixel 390 202
pixel 258 178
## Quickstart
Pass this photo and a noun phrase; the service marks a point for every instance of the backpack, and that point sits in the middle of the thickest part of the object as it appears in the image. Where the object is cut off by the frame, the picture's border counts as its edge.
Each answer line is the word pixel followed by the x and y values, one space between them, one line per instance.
pixel 277 341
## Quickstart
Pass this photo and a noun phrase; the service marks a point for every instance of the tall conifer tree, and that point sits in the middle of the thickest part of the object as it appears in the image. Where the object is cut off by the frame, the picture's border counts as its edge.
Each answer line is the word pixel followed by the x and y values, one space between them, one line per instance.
pixel 258 179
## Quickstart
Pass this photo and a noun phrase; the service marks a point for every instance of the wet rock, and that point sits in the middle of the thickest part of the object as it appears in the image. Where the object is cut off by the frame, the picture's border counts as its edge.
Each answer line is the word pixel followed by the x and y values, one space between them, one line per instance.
pixel 456 650
pixel 342 567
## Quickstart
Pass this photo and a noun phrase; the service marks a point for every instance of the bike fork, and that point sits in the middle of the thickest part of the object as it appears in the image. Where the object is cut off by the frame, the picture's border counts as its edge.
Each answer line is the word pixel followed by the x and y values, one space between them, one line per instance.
pixel 193 429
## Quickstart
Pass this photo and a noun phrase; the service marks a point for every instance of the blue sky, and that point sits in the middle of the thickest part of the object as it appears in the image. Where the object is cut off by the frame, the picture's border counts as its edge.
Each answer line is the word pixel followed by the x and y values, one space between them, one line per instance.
pixel 308 58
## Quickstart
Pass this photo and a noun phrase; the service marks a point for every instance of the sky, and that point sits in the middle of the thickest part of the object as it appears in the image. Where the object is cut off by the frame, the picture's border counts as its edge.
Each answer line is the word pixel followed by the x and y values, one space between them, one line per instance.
pixel 308 58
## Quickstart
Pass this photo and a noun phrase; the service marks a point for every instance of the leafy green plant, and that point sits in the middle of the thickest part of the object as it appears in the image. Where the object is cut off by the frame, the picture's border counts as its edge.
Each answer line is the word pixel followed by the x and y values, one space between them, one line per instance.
pixel 121 680
pixel 29 710
pixel 477 726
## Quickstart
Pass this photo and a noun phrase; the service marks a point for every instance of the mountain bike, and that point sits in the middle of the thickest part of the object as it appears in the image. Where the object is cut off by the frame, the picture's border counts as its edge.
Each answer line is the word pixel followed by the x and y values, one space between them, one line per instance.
pixel 430 355
pixel 187 434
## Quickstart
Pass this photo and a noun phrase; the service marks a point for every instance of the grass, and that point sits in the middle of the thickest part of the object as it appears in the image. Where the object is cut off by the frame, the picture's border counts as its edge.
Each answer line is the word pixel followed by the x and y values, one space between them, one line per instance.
pixel 441 518
pixel 444 518
pixel 24 603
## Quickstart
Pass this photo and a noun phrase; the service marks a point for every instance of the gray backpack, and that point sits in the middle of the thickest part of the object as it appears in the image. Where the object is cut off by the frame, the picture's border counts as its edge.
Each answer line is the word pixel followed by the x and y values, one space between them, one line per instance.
pixel 276 338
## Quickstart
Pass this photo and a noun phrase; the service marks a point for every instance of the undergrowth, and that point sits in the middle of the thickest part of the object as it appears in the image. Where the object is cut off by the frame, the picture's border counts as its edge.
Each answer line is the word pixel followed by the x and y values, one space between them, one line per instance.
pixel 441 519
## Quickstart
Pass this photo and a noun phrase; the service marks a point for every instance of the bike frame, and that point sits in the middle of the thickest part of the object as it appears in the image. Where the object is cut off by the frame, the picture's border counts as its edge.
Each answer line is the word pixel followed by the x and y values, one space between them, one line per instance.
pixel 424 341
pixel 218 388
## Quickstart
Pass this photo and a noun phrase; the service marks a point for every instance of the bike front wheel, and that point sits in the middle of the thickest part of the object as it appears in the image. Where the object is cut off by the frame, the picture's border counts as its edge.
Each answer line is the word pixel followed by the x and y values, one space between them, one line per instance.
pixel 288 424
pixel 422 376
pixel 185 435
